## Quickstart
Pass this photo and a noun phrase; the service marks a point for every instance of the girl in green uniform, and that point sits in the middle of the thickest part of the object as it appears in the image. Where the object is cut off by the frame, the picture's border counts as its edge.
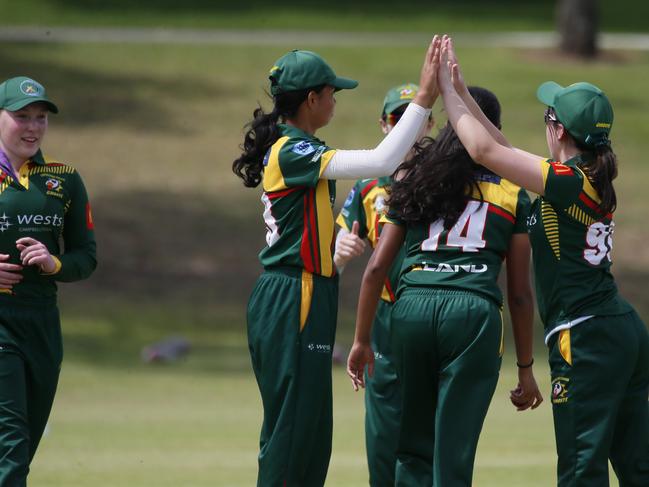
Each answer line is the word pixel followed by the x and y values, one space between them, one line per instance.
pixel 359 220
pixel 458 221
pixel 599 347
pixel 292 309
pixel 42 203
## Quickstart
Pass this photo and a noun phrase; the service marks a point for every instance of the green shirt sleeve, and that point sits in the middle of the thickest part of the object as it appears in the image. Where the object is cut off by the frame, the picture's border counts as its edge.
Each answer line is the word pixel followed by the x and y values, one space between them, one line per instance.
pixel 353 210
pixel 301 162
pixel 79 257
pixel 563 183
pixel 522 212
pixel 391 217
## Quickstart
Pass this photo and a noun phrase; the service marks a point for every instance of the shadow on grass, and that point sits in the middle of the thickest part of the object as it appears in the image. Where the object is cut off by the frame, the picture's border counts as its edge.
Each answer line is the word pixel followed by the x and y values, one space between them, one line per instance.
pixel 89 97
pixel 176 265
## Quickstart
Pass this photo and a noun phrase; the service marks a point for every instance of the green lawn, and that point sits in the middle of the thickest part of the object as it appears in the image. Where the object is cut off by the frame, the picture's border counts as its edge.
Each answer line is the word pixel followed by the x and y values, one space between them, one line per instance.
pixel 153 130
pixel 117 422
pixel 341 15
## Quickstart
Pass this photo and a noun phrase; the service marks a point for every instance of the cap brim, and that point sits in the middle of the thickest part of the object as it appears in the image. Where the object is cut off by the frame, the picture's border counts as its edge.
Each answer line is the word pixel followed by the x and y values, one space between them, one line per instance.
pixel 547 91
pixel 390 107
pixel 23 103
pixel 344 83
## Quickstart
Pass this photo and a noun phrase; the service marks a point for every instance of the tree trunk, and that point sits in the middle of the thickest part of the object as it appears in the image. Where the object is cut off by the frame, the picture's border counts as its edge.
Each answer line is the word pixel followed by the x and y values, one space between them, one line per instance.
pixel 577 23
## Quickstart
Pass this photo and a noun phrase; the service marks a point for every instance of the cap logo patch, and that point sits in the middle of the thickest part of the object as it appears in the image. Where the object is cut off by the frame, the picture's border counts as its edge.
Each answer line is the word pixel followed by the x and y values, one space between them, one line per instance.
pixel 603 125
pixel 273 69
pixel 30 87
pixel 407 93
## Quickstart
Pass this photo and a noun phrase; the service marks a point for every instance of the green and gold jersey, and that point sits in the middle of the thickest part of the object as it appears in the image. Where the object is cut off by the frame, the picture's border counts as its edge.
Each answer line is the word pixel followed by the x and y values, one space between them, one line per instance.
pixel 298 204
pixel 366 205
pixel 572 241
pixel 468 256
pixel 49 204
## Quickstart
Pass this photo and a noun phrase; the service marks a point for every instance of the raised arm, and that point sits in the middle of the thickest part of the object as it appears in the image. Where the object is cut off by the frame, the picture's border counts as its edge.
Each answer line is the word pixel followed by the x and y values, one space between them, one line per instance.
pixel 521 308
pixel 463 91
pixel 520 167
pixel 361 354
pixel 386 157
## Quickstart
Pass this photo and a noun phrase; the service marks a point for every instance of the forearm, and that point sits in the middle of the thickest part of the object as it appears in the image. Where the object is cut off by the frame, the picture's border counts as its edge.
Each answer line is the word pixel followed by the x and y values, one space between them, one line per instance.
pixel 386 157
pixel 370 293
pixel 521 309
pixel 477 112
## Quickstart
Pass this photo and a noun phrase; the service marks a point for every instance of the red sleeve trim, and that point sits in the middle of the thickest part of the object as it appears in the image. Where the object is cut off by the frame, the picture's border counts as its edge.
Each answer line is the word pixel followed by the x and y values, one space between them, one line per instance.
pixel 501 212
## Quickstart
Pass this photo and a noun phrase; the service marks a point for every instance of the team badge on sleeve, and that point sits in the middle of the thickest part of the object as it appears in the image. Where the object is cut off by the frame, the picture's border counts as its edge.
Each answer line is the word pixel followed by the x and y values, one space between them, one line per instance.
pixel 350 198
pixel 561 169
pixel 303 148
pixel 89 223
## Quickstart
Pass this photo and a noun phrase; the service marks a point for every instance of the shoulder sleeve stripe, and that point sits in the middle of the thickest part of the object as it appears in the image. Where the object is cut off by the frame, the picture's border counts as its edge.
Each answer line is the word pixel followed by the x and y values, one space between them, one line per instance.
pixel 279 194
pixel 369 187
pixel 273 177
pixel 588 188
pixel 325 159
pixel 593 205
pixel 545 167
pixel 499 211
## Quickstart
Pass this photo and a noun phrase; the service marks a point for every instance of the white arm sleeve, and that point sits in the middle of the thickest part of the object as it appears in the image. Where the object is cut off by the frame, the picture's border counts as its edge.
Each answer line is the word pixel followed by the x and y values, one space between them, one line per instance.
pixel 386 157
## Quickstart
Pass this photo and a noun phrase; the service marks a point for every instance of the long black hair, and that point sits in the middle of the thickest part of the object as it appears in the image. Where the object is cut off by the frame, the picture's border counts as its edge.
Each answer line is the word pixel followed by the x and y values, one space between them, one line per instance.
pixel 441 176
pixel 263 132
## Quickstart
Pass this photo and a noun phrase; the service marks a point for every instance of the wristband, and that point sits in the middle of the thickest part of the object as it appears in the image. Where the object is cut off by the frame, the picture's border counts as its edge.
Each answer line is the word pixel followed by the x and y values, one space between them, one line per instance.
pixel 525 366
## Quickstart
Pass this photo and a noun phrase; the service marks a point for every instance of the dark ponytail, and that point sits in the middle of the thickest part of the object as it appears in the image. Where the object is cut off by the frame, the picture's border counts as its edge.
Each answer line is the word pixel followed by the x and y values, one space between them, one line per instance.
pixel 601 169
pixel 263 133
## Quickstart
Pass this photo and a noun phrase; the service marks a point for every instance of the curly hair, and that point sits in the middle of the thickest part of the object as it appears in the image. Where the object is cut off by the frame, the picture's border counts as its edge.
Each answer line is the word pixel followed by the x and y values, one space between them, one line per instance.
pixel 263 132
pixel 440 178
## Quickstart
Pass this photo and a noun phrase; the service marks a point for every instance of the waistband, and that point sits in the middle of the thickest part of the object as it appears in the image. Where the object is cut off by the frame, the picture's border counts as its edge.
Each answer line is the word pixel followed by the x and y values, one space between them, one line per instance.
pixel 27 301
pixel 443 291
pixel 296 272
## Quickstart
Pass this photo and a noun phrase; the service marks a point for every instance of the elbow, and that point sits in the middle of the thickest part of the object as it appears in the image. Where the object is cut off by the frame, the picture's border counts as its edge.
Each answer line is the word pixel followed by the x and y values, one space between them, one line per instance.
pixel 520 300
pixel 373 273
pixel 479 151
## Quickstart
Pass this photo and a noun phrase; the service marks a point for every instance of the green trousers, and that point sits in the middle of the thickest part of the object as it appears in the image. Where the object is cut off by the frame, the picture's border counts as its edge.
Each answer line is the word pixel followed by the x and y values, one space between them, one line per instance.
pixel 600 383
pixel 291 332
pixel 447 346
pixel 30 361
pixel 382 404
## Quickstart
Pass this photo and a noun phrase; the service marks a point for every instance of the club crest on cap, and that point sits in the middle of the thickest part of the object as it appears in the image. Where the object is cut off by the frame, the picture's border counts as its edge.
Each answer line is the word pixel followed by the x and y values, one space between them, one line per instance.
pixel 30 87
pixel 407 93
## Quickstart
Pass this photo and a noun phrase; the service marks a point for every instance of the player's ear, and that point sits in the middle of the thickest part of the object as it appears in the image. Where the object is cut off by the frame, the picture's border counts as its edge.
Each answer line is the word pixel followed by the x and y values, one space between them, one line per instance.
pixel 384 126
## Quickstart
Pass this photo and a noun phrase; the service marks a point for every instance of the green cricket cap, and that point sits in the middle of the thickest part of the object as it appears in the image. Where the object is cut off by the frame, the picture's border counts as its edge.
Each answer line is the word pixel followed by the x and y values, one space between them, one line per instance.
pixel 17 93
pixel 582 108
pixel 399 96
pixel 299 70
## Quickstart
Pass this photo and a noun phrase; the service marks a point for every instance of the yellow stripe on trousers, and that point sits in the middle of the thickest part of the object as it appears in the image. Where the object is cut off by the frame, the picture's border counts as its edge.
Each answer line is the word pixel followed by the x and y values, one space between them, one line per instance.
pixel 564 345
pixel 307 296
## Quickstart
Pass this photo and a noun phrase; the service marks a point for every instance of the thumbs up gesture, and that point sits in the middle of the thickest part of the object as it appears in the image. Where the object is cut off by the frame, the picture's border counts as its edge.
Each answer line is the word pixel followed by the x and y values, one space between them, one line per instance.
pixel 348 246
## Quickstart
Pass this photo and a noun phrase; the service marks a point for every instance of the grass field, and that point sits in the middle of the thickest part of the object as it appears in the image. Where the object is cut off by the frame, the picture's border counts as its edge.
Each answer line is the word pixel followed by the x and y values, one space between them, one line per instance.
pixel 153 130
pixel 340 15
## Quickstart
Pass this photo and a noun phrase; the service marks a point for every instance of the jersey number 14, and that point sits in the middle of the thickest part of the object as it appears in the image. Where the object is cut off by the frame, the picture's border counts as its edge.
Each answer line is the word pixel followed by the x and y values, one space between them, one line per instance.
pixel 466 233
